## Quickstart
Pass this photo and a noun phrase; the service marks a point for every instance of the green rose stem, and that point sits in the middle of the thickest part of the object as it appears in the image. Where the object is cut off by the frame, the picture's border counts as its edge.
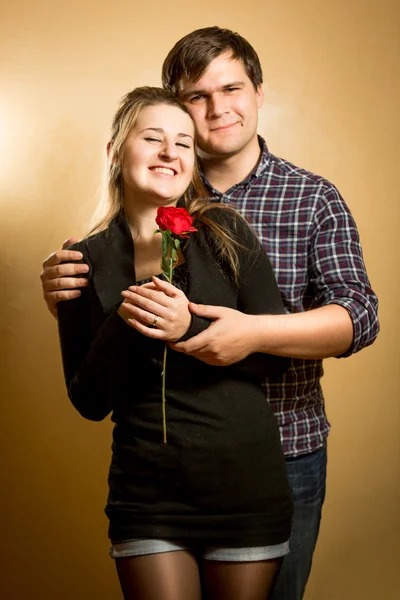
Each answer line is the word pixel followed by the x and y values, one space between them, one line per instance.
pixel 164 415
pixel 170 247
pixel 163 399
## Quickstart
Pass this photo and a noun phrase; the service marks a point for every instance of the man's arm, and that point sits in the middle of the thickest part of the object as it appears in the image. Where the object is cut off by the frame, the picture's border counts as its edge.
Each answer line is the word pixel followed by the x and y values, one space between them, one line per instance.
pixel 318 333
pixel 59 281
pixel 343 318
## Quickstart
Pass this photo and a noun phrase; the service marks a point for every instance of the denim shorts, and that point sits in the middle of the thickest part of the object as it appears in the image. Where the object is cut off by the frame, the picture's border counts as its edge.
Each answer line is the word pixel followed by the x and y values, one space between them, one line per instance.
pixel 140 547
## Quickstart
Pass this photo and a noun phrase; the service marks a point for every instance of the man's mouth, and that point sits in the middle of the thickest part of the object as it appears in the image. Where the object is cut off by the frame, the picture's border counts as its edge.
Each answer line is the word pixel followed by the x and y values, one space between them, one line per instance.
pixel 224 127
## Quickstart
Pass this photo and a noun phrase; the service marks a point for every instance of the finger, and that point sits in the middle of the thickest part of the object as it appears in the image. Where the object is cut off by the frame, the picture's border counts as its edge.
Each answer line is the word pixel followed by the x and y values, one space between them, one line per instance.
pixel 61 296
pixel 62 256
pixel 64 283
pixel 64 270
pixel 204 356
pixel 69 242
pixel 148 299
pixel 178 347
pixel 205 310
pixel 144 316
pixel 167 288
pixel 151 332
pixel 194 345
pixel 150 286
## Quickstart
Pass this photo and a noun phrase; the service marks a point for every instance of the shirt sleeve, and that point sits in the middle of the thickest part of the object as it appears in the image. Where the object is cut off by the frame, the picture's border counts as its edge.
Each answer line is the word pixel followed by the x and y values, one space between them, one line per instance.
pixel 337 270
pixel 90 359
pixel 197 325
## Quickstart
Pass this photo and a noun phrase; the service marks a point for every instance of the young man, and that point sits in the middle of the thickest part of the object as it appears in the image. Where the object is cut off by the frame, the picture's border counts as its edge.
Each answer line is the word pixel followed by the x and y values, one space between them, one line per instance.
pixel 313 244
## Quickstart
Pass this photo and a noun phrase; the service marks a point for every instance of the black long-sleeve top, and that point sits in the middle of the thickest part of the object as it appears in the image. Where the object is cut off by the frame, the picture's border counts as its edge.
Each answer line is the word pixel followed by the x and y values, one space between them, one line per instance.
pixel 221 476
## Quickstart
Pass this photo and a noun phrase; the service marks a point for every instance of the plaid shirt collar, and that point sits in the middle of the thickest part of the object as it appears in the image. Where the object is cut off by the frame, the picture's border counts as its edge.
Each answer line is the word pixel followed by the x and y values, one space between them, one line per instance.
pixel 261 166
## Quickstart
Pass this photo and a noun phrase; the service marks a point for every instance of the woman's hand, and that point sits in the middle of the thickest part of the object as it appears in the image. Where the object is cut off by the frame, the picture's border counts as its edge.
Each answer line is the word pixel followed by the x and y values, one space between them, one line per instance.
pixel 159 310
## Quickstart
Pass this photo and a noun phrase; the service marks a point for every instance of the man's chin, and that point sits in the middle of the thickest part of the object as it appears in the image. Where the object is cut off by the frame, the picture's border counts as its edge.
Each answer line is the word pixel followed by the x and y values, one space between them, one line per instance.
pixel 219 151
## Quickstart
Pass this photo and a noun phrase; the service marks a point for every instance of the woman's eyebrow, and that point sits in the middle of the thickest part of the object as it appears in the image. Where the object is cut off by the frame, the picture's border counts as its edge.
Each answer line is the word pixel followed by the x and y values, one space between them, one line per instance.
pixel 156 129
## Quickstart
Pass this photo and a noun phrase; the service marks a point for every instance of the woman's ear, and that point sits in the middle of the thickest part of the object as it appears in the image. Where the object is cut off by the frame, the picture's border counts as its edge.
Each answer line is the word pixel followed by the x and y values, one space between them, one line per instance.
pixel 110 154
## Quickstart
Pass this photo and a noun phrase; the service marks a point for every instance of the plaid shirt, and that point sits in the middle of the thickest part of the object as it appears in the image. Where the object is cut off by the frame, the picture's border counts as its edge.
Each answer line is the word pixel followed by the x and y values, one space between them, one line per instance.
pixel 313 244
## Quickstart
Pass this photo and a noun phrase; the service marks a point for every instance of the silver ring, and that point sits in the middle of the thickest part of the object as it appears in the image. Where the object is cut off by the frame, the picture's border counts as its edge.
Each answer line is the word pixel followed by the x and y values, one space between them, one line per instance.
pixel 155 321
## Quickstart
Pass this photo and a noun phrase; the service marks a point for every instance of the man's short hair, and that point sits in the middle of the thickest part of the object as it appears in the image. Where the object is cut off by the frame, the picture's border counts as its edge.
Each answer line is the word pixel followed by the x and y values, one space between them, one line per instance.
pixel 191 56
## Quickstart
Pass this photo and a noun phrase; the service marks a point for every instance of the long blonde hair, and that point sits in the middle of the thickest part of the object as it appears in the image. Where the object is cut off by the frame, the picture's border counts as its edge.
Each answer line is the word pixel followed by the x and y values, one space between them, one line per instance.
pixel 195 198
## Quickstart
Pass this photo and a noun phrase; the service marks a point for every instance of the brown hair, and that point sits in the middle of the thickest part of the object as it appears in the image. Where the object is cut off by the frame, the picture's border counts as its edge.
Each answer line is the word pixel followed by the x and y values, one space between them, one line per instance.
pixel 191 56
pixel 196 199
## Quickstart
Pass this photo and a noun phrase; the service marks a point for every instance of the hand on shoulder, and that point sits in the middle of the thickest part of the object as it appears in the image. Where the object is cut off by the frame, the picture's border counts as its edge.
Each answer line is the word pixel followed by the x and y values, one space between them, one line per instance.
pixel 60 276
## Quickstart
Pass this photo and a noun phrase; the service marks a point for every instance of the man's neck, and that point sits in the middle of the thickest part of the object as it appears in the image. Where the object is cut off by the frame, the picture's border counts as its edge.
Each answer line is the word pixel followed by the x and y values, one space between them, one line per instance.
pixel 223 172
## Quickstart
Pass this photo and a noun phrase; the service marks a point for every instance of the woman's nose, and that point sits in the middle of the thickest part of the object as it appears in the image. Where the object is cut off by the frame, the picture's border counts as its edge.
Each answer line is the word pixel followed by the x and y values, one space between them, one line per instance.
pixel 168 150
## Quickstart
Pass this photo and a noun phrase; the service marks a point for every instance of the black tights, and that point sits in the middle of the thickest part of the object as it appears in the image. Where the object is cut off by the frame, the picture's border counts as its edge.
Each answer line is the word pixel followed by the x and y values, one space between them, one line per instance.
pixel 176 576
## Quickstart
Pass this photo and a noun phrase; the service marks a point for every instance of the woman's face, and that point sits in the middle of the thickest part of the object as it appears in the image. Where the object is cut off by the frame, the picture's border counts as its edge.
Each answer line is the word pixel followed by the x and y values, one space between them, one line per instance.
pixel 159 155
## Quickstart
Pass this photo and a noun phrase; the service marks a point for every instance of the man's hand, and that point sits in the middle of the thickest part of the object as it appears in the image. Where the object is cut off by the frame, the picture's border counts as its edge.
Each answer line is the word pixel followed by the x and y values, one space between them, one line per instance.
pixel 226 341
pixel 59 282
pixel 314 334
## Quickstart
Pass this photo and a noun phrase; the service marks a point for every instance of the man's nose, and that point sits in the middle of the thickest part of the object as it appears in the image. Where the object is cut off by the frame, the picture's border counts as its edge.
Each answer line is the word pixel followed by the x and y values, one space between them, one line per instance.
pixel 217 106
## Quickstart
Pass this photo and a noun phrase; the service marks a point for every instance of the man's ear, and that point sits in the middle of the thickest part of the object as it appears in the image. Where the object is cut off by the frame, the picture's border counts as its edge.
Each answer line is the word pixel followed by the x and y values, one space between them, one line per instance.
pixel 260 96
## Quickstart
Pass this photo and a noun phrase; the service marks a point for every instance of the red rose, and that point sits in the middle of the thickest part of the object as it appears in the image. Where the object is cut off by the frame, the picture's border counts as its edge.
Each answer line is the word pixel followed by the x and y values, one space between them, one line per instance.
pixel 176 220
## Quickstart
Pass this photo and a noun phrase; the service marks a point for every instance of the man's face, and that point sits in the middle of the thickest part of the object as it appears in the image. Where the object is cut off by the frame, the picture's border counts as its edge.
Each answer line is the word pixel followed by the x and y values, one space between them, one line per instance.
pixel 224 106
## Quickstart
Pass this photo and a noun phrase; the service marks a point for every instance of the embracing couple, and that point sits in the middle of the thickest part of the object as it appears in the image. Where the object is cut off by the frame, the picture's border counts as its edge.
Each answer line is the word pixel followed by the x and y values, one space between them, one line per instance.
pixel 227 508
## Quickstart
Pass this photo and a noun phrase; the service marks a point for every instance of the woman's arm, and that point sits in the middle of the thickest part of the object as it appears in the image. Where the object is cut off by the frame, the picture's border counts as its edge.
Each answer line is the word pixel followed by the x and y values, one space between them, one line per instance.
pixel 90 360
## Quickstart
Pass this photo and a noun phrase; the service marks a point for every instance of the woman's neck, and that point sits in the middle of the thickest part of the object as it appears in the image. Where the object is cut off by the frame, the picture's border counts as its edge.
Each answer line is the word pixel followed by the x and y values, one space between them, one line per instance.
pixel 141 216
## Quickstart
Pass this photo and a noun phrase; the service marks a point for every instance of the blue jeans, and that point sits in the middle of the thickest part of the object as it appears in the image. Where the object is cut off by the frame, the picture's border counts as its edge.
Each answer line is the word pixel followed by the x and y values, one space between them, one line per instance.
pixel 307 476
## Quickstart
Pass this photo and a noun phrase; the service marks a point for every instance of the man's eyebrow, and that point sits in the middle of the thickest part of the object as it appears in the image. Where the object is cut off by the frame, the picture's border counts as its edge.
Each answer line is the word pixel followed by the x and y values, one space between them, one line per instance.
pixel 232 84
pixel 160 130
pixel 200 92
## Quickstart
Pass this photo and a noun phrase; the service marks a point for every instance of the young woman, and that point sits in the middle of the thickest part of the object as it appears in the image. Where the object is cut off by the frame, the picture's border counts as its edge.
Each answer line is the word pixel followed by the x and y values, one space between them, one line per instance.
pixel 207 514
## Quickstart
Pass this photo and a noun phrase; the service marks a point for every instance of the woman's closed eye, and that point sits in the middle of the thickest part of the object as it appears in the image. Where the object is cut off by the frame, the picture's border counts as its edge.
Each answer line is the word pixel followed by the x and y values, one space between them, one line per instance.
pixel 157 140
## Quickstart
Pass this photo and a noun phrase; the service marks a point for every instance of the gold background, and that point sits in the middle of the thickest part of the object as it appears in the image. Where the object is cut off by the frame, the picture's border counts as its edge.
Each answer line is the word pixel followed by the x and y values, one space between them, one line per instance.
pixel 332 105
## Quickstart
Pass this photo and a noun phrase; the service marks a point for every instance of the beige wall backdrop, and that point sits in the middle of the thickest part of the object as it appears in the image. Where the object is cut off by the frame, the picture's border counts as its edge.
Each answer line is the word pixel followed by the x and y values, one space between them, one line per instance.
pixel 332 106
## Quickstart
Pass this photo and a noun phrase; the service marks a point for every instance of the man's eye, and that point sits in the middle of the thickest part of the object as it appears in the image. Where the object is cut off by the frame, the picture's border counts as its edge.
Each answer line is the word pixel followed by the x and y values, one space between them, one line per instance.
pixel 197 98
pixel 232 89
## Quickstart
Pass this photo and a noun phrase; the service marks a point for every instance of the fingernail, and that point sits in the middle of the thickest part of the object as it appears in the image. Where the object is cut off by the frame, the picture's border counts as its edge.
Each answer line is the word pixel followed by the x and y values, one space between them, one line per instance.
pixel 84 268
pixel 132 288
